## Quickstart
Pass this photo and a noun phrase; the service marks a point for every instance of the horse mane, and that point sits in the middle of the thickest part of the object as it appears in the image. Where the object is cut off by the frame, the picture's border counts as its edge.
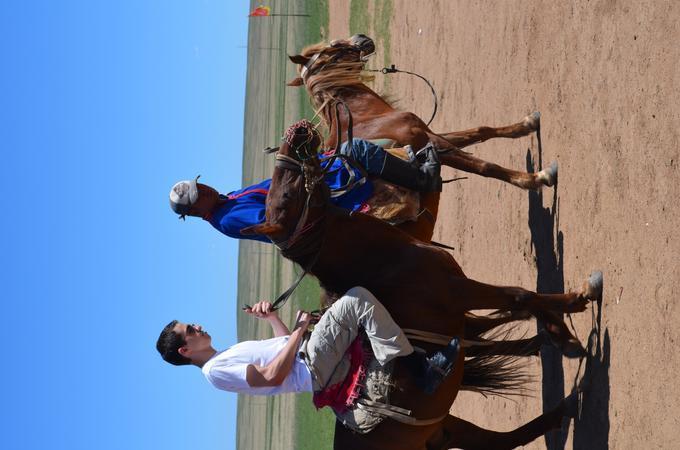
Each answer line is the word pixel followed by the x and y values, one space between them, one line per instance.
pixel 327 85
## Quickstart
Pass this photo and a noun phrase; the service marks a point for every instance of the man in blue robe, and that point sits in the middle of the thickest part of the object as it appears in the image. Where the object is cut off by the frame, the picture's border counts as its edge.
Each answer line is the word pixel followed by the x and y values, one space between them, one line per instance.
pixel 232 212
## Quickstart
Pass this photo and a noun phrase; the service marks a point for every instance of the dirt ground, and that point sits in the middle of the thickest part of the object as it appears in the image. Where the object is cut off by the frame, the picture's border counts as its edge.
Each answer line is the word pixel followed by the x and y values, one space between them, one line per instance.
pixel 604 75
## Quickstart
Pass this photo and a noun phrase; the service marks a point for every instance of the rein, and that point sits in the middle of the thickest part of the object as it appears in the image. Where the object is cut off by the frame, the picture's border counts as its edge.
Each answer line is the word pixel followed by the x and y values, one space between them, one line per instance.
pixel 393 69
pixel 346 160
pixel 304 73
pixel 288 163
pixel 308 238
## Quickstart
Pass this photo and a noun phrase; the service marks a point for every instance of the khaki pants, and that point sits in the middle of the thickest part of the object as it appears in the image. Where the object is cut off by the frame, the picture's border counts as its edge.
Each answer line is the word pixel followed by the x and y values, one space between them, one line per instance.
pixel 324 351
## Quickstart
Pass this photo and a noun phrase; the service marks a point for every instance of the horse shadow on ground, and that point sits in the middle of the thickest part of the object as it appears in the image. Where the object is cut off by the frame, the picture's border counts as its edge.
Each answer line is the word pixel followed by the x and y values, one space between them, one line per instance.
pixel 591 429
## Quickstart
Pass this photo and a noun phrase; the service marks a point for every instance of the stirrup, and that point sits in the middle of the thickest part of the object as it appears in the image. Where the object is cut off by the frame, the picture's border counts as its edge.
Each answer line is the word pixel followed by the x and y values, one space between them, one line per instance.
pixel 427 154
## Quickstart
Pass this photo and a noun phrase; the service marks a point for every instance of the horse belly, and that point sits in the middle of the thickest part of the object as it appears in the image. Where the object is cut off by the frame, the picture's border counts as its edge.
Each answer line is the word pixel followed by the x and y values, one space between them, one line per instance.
pixel 412 281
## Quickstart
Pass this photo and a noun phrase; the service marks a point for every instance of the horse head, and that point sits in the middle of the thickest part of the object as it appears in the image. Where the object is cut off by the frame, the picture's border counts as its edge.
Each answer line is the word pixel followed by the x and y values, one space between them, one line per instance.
pixel 297 175
pixel 315 58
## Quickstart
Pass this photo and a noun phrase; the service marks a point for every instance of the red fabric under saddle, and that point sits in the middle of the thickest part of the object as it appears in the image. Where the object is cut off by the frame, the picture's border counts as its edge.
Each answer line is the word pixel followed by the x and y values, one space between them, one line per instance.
pixel 342 395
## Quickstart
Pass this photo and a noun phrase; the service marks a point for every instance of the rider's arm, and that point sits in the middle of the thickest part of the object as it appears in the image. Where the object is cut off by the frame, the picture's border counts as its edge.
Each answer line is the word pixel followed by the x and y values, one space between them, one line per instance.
pixel 244 208
pixel 274 373
pixel 278 327
pixel 263 310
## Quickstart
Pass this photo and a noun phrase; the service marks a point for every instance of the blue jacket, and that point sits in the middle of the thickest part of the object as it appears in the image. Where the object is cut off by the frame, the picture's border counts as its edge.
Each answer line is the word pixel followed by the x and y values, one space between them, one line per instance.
pixel 246 207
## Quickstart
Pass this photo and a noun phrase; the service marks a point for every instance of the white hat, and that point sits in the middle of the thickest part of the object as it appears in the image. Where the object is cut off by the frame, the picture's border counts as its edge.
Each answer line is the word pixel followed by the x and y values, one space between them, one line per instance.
pixel 183 196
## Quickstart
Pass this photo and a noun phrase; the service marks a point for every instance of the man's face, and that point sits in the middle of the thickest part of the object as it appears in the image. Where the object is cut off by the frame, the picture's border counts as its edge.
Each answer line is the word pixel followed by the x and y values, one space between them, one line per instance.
pixel 196 339
pixel 207 199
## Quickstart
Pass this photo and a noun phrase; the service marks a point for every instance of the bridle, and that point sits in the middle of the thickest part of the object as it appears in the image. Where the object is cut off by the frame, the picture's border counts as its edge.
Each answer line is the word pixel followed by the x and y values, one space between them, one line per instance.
pixel 307 239
pixel 307 67
pixel 304 155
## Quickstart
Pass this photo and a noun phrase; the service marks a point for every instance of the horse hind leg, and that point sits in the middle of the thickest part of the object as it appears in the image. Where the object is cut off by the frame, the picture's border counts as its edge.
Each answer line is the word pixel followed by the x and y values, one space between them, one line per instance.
pixel 464 161
pixel 465 138
pixel 459 433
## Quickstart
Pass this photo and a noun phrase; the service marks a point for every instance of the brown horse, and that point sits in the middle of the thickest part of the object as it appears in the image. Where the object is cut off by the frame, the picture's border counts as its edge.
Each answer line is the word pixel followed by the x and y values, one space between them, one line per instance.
pixel 421 285
pixel 334 73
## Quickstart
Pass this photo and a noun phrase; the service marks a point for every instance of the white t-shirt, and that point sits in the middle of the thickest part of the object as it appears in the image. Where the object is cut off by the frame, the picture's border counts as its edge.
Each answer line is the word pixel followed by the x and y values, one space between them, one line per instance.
pixel 227 370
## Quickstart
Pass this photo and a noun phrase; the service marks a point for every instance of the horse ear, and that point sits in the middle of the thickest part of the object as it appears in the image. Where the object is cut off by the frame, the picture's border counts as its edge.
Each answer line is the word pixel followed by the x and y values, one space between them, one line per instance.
pixel 262 228
pixel 299 59
pixel 295 82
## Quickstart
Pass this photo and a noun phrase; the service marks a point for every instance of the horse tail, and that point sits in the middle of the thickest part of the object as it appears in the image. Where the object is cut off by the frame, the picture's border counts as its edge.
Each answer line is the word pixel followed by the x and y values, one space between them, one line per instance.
pixel 501 375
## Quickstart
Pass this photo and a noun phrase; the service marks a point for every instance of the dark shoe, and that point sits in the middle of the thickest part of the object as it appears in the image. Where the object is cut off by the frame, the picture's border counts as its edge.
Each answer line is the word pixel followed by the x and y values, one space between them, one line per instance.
pixel 432 167
pixel 430 372
pixel 425 178
pixel 440 366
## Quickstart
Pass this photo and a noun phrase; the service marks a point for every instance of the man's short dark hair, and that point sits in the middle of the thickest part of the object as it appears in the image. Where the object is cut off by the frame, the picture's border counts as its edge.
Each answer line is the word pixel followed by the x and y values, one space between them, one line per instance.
pixel 169 343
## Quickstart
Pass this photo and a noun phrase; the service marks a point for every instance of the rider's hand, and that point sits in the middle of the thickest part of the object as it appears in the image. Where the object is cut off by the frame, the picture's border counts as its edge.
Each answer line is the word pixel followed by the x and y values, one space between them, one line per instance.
pixel 261 310
pixel 303 319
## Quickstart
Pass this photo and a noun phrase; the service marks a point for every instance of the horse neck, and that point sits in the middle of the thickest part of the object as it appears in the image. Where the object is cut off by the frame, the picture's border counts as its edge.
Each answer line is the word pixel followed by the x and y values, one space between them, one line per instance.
pixel 362 102
pixel 306 239
pixel 359 250
pixel 355 252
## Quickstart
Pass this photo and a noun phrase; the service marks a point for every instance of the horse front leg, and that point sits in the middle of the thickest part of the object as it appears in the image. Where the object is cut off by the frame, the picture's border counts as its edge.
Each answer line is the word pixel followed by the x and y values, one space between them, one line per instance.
pixel 470 295
pixel 464 161
pixel 480 134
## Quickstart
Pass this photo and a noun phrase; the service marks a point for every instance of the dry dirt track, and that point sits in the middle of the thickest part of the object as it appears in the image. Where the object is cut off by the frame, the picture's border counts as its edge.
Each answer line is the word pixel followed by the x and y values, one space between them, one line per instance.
pixel 604 75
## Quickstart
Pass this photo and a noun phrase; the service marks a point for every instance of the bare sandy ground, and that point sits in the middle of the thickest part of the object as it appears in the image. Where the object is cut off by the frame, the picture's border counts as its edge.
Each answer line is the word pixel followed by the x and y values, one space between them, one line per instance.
pixel 604 75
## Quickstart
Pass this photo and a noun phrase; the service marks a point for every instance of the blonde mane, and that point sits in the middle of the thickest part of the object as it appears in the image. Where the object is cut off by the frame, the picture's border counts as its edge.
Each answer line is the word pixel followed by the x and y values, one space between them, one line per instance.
pixel 324 87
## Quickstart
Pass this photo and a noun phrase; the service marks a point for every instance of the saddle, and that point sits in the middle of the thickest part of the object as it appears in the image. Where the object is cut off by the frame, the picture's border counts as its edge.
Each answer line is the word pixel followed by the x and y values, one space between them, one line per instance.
pixel 362 401
pixel 389 202
pixel 365 391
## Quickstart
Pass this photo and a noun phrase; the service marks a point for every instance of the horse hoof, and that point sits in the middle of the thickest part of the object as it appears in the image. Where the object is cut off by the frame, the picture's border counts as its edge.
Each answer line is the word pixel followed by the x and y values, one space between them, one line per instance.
pixel 572 348
pixel 548 176
pixel 533 121
pixel 594 285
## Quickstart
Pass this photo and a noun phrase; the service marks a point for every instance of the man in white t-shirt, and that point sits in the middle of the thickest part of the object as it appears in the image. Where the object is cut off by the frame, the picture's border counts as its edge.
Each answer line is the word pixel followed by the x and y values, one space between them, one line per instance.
pixel 275 366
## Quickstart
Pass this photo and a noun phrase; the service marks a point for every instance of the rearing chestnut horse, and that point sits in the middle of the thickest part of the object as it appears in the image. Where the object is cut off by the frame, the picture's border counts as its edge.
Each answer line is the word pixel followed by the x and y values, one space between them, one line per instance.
pixel 334 73
pixel 422 287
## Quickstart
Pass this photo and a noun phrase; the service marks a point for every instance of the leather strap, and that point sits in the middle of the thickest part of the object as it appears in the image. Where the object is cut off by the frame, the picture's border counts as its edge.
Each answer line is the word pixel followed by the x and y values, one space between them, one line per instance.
pixel 396 413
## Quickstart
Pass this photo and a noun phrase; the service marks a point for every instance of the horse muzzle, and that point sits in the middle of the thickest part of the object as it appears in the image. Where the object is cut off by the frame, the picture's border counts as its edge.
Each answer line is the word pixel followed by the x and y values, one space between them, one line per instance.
pixel 363 43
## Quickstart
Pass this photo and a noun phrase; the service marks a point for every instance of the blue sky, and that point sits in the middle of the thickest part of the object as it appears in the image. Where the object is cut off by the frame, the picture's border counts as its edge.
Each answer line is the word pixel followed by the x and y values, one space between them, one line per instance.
pixel 104 106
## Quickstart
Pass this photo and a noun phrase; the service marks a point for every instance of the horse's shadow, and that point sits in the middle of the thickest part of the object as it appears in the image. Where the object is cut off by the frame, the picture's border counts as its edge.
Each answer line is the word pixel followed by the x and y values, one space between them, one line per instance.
pixel 591 430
